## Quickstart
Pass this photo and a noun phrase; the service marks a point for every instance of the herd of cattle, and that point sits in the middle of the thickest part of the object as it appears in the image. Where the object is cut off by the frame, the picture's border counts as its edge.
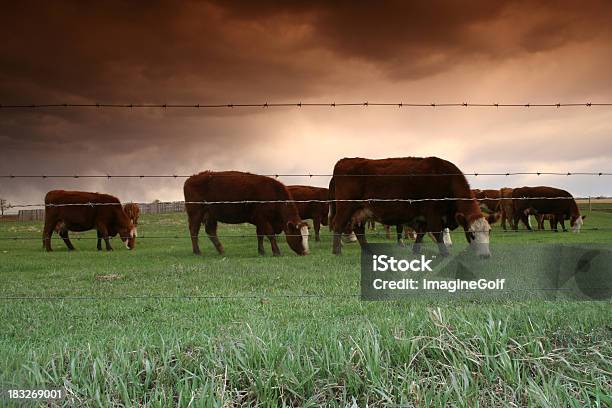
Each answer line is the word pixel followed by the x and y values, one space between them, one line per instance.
pixel 420 195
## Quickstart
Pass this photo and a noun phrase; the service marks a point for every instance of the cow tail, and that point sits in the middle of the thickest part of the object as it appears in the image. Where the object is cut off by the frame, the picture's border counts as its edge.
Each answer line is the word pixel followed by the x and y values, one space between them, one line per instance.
pixel 332 204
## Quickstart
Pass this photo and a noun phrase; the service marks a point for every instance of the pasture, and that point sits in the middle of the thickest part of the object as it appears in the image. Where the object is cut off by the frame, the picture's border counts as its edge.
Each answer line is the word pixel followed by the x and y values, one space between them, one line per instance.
pixel 164 327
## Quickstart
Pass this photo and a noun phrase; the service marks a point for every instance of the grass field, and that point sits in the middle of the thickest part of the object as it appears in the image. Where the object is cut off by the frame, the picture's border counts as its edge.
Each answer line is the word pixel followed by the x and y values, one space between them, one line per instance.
pixel 136 328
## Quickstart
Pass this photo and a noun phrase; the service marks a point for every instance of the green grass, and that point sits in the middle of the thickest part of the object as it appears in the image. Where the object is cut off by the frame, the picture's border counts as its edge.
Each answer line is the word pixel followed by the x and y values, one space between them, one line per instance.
pixel 136 328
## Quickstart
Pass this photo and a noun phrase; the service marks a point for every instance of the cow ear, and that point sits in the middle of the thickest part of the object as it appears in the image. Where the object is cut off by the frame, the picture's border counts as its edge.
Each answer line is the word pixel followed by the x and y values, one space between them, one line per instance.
pixel 461 220
pixel 583 217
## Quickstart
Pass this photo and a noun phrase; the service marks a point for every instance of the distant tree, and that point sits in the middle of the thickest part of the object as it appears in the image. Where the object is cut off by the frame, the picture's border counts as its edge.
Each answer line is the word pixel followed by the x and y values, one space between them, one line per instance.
pixel 4 205
pixel 156 201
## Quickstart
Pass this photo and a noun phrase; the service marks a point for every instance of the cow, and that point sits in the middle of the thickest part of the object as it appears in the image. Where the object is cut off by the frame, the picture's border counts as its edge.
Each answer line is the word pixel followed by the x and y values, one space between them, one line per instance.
pixel 355 194
pixel 133 211
pixel 546 200
pixel 317 209
pixel 488 200
pixel 82 211
pixel 234 188
pixel 506 208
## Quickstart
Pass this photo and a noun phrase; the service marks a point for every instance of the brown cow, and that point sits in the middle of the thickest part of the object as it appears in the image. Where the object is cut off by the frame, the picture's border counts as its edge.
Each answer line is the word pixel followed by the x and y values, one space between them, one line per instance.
pixel 526 201
pixel 488 200
pixel 348 183
pixel 506 207
pixel 233 186
pixel 133 211
pixel 86 211
pixel 317 210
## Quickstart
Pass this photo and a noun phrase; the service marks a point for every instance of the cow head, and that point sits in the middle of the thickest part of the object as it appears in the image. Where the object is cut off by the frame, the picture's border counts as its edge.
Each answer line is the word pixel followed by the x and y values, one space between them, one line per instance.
pixel 297 237
pixel 128 236
pixel 493 218
pixel 477 232
pixel 576 222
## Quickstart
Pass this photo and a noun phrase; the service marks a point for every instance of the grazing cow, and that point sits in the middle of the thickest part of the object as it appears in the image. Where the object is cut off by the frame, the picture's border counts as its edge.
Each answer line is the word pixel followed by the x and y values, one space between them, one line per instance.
pixel 348 183
pixel 506 207
pixel 86 211
pixel 488 200
pixel 317 210
pixel 269 218
pixel 133 211
pixel 546 200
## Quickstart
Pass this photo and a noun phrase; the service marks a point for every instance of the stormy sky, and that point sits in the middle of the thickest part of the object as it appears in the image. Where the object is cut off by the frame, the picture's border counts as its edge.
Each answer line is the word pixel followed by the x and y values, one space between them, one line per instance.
pixel 211 52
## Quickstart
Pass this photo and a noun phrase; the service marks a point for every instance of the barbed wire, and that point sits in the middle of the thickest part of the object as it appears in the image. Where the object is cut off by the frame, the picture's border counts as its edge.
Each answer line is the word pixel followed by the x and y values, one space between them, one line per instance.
pixel 313 201
pixel 310 175
pixel 377 234
pixel 299 105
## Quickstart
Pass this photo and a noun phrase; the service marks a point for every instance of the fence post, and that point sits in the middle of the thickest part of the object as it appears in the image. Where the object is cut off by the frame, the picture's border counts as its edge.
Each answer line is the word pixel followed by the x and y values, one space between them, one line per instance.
pixel 590 209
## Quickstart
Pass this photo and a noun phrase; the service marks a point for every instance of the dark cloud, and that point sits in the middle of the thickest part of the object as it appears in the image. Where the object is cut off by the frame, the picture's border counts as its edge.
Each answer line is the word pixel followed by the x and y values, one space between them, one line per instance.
pixel 220 52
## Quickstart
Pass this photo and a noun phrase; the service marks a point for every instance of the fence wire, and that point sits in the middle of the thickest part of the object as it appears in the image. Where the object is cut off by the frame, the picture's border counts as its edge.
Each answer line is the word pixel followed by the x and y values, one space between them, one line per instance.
pixel 299 105
pixel 377 234
pixel 313 201
pixel 278 175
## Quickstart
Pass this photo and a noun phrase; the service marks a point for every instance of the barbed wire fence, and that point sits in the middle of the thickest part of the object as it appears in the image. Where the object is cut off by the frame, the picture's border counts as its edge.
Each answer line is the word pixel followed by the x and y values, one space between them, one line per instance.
pixel 131 106
pixel 310 175
pixel 313 201
pixel 298 105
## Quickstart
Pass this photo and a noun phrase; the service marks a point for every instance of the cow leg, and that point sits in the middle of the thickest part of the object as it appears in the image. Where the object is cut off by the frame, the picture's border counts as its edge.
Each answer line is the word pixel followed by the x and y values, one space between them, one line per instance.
pixel 503 220
pixel 515 222
pixel 274 245
pixel 340 225
pixel 211 230
pixel 337 243
pixel 439 238
pixel 47 233
pixel 387 231
pixel 399 230
pixel 525 220
pixel 269 232
pixel 99 246
pixel 551 221
pixel 416 247
pixel 540 219
pixel 260 237
pixel 103 231
pixel 360 231
pixel 64 234
pixel 316 223
pixel 436 228
pixel 195 217
pixel 562 222
pixel 553 224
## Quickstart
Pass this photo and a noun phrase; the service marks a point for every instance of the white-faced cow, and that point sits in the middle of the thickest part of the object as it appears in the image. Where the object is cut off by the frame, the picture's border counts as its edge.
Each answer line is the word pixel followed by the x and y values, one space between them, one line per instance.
pixel 82 211
pixel 358 185
pixel 546 200
pixel 311 203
